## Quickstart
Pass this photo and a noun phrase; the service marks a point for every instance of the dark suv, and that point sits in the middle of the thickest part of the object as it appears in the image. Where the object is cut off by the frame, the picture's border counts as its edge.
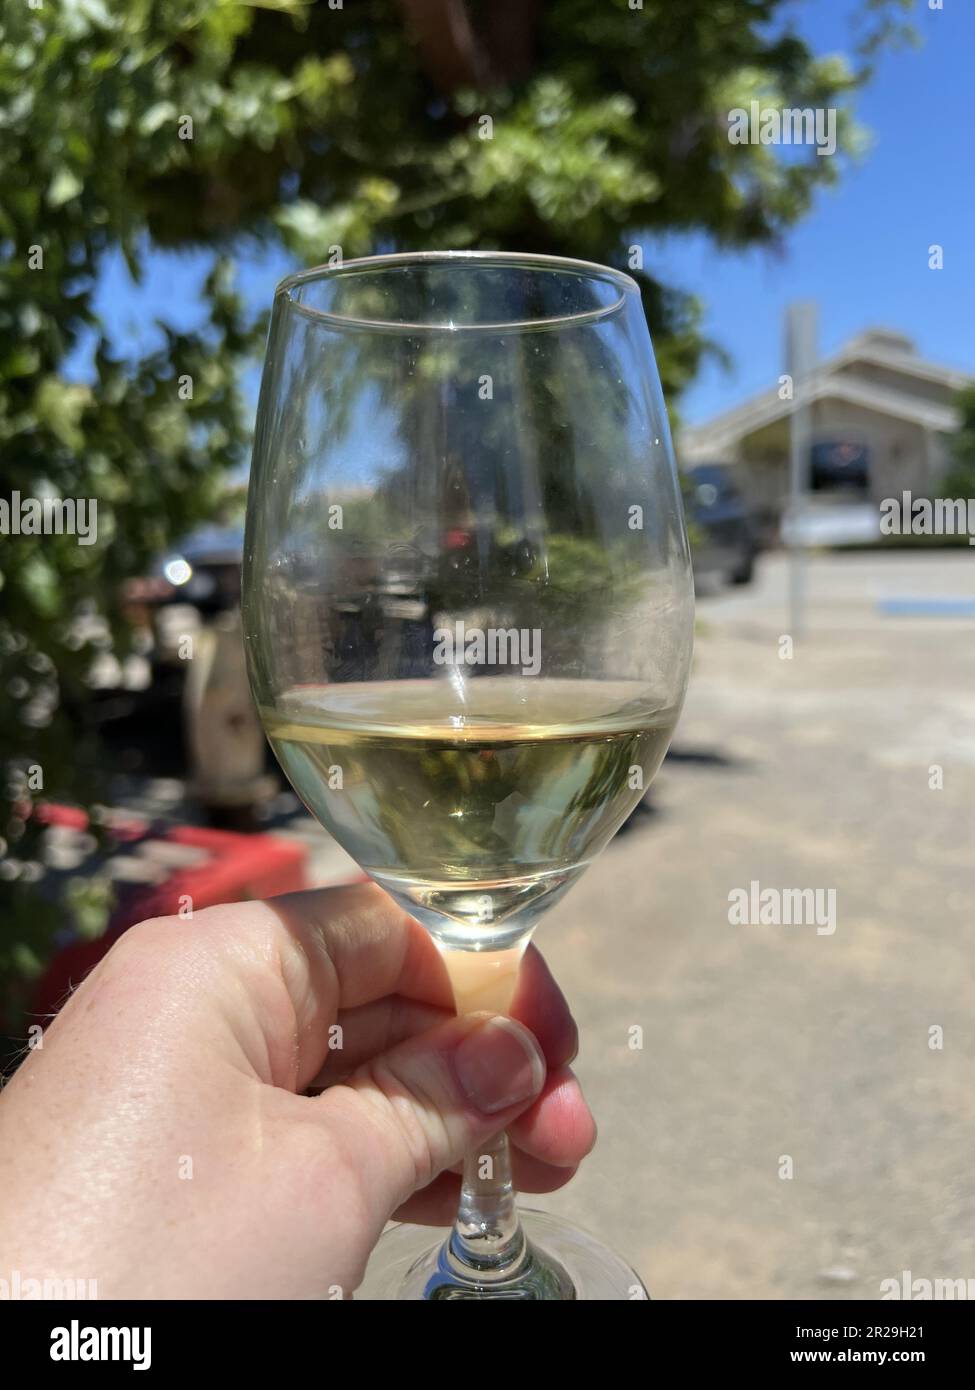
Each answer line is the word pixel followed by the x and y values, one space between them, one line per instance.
pixel 724 527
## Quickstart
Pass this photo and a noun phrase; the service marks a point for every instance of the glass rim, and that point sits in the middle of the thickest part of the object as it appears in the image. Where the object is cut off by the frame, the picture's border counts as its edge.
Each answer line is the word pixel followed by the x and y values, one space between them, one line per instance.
pixel 399 259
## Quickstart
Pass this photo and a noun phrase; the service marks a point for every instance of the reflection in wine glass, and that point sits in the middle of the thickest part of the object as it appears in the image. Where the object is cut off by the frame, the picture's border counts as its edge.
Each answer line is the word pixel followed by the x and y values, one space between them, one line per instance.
pixel 468 614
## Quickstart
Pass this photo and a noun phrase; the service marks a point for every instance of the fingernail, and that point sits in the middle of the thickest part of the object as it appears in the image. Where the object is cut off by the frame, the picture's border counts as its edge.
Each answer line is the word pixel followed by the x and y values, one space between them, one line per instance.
pixel 498 1065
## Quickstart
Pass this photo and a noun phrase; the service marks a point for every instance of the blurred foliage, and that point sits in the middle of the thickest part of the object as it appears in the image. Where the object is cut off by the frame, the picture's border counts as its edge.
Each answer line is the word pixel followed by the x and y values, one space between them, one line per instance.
pixel 133 124
pixel 959 481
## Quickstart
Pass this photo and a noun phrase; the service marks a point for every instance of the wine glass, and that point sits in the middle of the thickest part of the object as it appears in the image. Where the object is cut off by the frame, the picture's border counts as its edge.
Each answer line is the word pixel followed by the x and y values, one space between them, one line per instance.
pixel 468 615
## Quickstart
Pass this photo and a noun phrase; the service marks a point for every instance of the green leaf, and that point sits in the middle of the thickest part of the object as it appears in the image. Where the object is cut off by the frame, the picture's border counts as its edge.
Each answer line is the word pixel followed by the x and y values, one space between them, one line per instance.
pixel 156 117
pixel 64 186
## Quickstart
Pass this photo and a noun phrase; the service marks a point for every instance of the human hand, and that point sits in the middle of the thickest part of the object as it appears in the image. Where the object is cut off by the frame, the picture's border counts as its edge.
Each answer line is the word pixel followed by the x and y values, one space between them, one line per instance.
pixel 160 1141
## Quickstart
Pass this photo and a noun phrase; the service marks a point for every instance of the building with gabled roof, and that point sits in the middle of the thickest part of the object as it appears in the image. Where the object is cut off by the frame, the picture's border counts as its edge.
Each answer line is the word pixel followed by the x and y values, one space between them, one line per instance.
pixel 875 401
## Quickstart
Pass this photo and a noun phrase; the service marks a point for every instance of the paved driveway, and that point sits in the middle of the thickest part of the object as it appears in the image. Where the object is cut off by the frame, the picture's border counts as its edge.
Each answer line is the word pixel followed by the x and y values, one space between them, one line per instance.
pixel 770 1049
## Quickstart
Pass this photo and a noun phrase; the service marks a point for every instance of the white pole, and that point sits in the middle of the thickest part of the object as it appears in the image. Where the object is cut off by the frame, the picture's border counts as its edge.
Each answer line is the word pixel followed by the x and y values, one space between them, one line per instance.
pixel 801 352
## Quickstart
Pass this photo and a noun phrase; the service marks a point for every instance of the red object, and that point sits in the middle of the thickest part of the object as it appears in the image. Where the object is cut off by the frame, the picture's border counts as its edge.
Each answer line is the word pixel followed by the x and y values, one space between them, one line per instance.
pixel 74 818
pixel 239 868
pixel 457 539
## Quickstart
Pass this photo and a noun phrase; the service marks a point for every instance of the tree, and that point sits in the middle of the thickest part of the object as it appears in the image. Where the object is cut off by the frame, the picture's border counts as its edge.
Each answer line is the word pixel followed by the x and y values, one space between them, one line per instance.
pixel 566 126
pixel 959 481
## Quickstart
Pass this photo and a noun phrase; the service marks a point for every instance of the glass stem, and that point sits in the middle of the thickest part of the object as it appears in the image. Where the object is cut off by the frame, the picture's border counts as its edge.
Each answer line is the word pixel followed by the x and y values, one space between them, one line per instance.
pixel 487 1239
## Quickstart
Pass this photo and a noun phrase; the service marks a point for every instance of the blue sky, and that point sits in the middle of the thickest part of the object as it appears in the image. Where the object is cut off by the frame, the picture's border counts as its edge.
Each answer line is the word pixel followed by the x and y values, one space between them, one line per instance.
pixel 862 252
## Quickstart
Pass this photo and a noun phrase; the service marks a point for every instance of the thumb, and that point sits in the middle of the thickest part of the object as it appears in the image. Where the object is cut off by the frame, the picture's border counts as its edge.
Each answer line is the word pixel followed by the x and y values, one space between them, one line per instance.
pixel 411 1112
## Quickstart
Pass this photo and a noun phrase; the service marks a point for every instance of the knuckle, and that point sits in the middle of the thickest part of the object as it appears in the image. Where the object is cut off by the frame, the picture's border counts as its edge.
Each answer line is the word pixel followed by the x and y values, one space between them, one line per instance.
pixel 412 1118
pixel 162 940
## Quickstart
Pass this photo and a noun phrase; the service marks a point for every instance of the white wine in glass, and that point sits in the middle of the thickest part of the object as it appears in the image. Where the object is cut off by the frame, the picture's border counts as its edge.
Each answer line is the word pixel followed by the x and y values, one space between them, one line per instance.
pixel 468 614
pixel 472 821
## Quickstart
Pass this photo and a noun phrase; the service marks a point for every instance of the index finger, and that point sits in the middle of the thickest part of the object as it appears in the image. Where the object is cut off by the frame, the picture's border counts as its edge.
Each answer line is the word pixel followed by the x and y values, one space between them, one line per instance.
pixel 377 950
pixel 352 945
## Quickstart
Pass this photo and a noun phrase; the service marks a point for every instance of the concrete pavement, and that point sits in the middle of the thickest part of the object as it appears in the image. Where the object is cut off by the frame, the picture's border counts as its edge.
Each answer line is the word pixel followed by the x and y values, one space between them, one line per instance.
pixel 765 1046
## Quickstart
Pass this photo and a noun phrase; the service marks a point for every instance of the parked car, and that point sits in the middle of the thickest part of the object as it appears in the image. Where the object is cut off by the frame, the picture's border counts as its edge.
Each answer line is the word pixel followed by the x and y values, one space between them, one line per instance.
pixel 724 525
pixel 830 523
pixel 837 509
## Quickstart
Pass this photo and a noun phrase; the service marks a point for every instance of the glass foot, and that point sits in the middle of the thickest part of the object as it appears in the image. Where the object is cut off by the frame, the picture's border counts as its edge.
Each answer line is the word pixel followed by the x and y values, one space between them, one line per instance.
pixel 562 1263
